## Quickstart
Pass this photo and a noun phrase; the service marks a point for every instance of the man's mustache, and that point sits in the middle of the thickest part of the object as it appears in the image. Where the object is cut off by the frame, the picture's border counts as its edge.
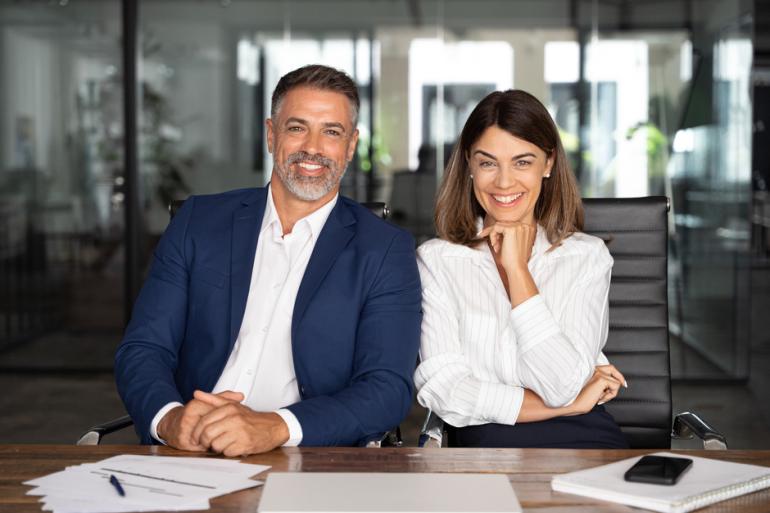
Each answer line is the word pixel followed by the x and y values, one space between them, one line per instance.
pixel 302 156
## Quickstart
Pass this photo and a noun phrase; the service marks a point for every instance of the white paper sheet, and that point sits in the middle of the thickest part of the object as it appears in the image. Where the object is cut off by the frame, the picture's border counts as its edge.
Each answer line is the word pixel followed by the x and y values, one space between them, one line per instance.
pixel 150 482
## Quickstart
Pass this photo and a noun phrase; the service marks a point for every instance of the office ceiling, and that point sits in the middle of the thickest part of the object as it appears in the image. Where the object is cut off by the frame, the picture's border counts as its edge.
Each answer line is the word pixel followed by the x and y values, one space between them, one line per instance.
pixel 367 14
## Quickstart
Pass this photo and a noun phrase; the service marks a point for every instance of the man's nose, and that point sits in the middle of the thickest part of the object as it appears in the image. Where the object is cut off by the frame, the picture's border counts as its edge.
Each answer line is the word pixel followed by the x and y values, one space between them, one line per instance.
pixel 312 143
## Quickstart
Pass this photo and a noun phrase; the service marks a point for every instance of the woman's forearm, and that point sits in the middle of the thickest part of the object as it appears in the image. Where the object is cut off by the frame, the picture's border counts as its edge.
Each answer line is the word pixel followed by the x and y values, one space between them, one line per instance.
pixel 533 409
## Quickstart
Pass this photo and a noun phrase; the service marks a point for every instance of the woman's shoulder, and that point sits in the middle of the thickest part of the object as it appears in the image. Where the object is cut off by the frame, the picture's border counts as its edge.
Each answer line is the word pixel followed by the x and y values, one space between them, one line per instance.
pixel 440 248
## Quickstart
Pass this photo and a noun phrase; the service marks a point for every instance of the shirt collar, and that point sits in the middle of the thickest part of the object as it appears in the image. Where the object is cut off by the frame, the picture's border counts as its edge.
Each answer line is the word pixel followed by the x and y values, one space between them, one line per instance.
pixel 315 221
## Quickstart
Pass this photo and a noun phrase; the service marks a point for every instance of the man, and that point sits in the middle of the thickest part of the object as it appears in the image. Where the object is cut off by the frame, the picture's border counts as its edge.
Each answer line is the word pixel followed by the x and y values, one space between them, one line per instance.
pixel 277 316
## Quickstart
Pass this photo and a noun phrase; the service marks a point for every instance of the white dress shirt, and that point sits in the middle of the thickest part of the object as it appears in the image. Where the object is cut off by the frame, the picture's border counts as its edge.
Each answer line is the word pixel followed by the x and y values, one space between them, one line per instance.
pixel 261 365
pixel 478 354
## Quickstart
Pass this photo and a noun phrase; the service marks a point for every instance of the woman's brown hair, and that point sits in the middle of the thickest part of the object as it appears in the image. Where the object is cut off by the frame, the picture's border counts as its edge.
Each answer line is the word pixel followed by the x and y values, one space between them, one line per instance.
pixel 558 209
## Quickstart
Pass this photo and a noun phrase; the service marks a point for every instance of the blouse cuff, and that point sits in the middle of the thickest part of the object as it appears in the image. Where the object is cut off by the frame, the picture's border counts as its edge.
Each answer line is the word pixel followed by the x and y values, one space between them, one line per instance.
pixel 533 323
pixel 499 403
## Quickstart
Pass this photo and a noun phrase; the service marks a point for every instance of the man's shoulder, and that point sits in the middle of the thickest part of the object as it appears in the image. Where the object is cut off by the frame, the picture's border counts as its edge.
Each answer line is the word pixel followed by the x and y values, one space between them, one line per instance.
pixel 371 226
pixel 225 201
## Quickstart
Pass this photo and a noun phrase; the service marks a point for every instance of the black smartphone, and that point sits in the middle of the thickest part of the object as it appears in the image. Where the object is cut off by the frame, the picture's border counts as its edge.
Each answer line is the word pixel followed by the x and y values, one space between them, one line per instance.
pixel 658 470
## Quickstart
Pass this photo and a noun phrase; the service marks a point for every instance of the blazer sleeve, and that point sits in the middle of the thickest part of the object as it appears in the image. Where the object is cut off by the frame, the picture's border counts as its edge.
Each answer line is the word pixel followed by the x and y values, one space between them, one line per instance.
pixel 147 358
pixel 379 393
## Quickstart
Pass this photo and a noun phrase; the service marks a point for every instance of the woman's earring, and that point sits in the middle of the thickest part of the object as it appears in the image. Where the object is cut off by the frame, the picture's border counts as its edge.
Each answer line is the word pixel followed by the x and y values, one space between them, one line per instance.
pixel 547 176
pixel 471 176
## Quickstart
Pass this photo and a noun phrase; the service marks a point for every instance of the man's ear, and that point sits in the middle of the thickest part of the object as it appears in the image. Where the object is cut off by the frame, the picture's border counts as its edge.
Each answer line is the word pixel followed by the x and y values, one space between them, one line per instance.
pixel 352 145
pixel 269 127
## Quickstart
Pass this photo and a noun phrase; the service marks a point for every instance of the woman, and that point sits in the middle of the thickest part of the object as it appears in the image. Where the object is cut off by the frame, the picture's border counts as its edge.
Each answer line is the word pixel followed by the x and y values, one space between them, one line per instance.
pixel 515 297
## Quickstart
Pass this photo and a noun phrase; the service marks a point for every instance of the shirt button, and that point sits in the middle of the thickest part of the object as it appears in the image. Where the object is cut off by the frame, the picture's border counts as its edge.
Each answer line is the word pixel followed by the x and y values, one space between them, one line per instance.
pixel 264 330
pixel 249 372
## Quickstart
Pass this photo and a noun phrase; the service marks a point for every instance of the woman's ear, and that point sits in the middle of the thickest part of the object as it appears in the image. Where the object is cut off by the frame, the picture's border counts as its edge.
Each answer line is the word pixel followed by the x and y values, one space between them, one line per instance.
pixel 548 167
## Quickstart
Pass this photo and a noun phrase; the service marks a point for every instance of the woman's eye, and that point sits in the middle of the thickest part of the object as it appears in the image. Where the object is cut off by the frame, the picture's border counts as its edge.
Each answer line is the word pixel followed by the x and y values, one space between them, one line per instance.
pixel 523 163
pixel 486 164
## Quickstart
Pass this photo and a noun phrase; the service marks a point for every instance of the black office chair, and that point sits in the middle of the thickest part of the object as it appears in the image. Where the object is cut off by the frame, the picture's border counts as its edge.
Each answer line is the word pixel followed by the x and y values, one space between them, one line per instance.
pixel 636 231
pixel 93 436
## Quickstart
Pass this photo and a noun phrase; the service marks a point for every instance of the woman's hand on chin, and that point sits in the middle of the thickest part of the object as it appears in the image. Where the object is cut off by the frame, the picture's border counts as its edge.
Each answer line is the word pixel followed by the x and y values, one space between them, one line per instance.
pixel 512 242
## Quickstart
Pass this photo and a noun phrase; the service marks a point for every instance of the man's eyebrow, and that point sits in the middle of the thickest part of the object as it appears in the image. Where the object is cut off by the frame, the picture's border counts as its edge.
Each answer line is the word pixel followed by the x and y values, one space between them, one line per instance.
pixel 328 124
pixel 334 124
pixel 296 120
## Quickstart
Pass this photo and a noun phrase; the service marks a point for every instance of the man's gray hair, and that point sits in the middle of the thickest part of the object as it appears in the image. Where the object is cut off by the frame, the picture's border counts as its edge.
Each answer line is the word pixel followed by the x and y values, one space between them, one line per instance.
pixel 317 76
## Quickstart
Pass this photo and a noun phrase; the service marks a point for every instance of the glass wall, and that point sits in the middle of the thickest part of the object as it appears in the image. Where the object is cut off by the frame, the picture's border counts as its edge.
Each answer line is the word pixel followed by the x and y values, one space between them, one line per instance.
pixel 61 159
pixel 645 107
pixel 651 98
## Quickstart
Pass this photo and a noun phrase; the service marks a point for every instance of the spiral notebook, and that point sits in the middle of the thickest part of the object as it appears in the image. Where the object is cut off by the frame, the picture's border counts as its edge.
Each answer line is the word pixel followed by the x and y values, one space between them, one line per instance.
pixel 707 482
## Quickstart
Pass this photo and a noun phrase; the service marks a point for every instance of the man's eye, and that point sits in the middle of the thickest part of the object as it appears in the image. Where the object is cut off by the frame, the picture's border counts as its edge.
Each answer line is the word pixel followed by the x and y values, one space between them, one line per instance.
pixel 294 129
pixel 334 133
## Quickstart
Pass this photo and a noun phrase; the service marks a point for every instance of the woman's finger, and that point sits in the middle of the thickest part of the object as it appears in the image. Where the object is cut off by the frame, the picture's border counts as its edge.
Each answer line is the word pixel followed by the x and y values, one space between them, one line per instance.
pixel 609 378
pixel 614 372
pixel 620 377
pixel 493 240
pixel 610 393
pixel 484 232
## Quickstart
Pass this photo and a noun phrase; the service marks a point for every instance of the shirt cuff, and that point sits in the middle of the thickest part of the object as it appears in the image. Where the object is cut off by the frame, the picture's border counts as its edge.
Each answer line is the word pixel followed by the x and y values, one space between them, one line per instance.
pixel 499 403
pixel 295 429
pixel 602 359
pixel 157 418
pixel 533 323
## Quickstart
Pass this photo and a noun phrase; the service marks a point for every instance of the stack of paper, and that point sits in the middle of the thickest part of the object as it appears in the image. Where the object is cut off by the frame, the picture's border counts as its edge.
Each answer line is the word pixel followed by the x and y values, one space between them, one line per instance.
pixel 149 483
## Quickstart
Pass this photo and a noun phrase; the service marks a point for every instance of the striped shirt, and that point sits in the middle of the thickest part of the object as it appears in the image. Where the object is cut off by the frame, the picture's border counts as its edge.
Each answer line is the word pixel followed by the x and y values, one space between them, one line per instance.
pixel 478 354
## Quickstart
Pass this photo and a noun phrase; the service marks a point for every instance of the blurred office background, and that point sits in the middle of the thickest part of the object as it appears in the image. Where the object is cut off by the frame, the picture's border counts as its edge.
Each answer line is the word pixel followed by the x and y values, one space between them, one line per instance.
pixel 651 97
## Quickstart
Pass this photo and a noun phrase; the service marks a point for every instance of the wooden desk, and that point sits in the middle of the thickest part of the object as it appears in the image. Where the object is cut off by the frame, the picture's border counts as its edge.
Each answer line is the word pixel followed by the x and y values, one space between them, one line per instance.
pixel 530 471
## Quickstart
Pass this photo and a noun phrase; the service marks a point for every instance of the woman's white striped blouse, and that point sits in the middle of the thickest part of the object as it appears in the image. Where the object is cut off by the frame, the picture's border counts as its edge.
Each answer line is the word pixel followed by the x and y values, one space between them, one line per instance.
pixel 478 354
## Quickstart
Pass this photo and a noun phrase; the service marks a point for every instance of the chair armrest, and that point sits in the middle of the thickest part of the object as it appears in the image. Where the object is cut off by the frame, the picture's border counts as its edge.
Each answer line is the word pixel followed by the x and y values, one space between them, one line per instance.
pixel 390 438
pixel 688 424
pixel 432 432
pixel 94 435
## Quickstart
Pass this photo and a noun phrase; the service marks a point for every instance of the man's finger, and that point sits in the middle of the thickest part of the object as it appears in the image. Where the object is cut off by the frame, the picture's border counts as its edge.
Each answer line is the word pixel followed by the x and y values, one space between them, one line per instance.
pixel 215 430
pixel 215 400
pixel 232 396
pixel 222 441
pixel 212 417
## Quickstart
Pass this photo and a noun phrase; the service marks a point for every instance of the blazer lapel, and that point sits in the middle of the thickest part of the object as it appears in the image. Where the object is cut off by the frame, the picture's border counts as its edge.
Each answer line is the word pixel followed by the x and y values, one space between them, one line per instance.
pixel 335 235
pixel 246 222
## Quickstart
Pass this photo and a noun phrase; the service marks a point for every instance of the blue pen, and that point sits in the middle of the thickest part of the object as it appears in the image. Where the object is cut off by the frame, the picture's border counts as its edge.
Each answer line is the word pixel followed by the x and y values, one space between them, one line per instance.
pixel 114 482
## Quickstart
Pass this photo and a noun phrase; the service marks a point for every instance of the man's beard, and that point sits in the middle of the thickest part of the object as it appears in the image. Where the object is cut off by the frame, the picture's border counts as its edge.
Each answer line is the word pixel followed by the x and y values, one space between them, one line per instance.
pixel 309 188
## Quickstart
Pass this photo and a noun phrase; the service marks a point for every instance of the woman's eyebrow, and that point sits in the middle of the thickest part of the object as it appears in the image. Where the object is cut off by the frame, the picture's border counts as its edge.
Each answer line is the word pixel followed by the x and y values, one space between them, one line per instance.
pixel 528 154
pixel 488 155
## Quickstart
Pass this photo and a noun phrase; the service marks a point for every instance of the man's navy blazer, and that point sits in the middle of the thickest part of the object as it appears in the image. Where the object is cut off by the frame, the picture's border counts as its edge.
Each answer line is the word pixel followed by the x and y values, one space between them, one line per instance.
pixel 355 326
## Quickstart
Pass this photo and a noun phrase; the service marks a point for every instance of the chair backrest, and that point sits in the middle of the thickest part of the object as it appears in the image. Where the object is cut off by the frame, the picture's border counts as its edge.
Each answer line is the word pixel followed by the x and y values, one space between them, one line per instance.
pixel 637 233
pixel 377 208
